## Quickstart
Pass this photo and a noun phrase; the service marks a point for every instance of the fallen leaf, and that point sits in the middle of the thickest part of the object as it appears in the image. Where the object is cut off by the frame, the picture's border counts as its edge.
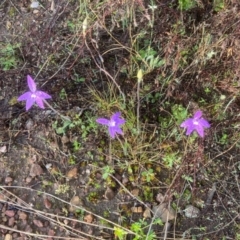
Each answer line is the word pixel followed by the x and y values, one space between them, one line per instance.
pixel 22 215
pixel 109 194
pixel 38 223
pixel 32 159
pixel 163 212
pixel 64 139
pixel 10 213
pixel 35 170
pixel 147 213
pixel 8 25
pixel 75 201
pixel 54 170
pixel 135 192
pixel 88 218
pixel 137 209
pixel 72 173
pixel 51 233
pixel 47 203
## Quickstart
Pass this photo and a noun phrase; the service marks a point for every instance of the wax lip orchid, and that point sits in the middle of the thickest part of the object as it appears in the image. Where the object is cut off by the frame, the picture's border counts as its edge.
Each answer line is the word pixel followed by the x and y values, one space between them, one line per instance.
pixel 113 124
pixel 197 123
pixel 34 95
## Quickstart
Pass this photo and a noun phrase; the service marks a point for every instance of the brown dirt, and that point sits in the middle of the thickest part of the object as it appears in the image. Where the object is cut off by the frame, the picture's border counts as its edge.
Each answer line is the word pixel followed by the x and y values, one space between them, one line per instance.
pixel 40 172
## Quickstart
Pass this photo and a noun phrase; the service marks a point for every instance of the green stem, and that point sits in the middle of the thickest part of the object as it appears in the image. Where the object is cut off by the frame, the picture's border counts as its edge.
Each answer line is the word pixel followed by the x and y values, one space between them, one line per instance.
pixel 63 117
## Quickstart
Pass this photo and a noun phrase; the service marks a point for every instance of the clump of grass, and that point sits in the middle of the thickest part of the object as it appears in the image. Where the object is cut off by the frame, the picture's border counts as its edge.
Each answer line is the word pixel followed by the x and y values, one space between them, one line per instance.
pixel 142 149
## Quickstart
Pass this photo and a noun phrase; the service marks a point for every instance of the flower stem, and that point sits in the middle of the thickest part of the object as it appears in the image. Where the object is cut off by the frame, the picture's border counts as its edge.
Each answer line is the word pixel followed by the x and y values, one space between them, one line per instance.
pixel 63 117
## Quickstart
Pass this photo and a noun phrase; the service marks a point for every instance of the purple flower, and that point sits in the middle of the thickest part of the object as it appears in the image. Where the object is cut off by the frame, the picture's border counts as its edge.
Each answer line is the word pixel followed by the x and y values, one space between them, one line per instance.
pixel 113 124
pixel 196 123
pixel 33 95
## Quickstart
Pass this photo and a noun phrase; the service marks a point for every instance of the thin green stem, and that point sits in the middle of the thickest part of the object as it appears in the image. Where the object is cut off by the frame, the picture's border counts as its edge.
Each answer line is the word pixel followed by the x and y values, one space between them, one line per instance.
pixel 138 106
pixel 62 116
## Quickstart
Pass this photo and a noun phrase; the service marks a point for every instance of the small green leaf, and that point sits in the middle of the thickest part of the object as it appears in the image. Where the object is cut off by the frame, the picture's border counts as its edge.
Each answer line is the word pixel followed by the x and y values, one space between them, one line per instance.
pixel 120 233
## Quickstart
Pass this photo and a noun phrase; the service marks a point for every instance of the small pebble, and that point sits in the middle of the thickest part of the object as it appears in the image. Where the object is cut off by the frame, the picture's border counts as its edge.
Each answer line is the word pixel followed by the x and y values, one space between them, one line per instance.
pixel 51 232
pixel 46 223
pixel 10 213
pixel 11 221
pixel 38 223
pixel 28 229
pixel 160 198
pixel 66 221
pixel 29 124
pixel 28 179
pixel 2 196
pixel 15 235
pixel 34 4
pixel 8 180
pixel 22 215
pixel 8 237
pixel 98 176
pixel 24 223
pixel 35 11
pixel 3 149
pixel 125 180
pixel 191 211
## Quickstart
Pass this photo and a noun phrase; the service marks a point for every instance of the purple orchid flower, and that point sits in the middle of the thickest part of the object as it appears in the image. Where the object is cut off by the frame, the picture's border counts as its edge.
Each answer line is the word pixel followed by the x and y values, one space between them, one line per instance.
pixel 196 123
pixel 33 95
pixel 113 124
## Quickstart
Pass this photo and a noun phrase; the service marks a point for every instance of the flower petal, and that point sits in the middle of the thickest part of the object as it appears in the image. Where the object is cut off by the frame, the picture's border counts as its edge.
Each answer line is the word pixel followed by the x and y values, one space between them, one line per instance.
pixel 187 123
pixel 103 121
pixel 200 130
pixel 204 123
pixel 31 84
pixel 190 129
pixel 197 114
pixel 112 132
pixel 29 103
pixel 120 121
pixel 116 116
pixel 118 130
pixel 42 95
pixel 25 96
pixel 39 102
